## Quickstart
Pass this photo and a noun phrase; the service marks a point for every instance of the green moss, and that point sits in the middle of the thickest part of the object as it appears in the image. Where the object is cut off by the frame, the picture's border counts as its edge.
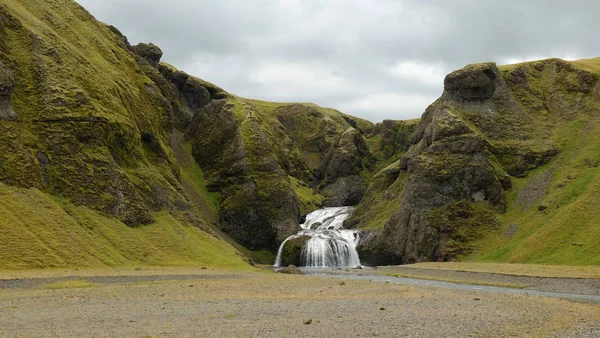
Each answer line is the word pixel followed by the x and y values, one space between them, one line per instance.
pixel 191 172
pixel 458 225
pixel 39 231
pixel 309 199
pixel 562 232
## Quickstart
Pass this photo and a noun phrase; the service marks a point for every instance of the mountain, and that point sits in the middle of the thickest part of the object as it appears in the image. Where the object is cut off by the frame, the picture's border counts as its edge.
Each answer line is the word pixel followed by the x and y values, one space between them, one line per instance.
pixel 502 167
pixel 111 157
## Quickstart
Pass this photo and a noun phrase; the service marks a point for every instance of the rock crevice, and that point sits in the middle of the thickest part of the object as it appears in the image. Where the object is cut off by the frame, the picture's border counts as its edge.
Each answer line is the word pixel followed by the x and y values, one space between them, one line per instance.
pixel 7 84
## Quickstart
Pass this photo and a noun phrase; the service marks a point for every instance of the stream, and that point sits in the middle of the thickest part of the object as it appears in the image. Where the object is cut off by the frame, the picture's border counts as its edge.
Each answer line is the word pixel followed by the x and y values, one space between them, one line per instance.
pixel 594 299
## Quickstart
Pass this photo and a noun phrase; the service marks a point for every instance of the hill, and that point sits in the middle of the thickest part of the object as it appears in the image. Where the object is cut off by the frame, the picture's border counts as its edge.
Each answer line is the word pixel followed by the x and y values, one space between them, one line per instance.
pixel 111 157
pixel 502 168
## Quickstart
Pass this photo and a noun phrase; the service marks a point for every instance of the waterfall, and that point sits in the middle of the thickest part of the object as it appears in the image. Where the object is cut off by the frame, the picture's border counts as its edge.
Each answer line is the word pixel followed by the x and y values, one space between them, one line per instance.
pixel 329 245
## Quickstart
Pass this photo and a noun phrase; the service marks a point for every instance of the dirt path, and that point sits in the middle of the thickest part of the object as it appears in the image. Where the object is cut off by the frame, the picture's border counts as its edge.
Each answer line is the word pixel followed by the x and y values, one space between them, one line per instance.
pixel 272 305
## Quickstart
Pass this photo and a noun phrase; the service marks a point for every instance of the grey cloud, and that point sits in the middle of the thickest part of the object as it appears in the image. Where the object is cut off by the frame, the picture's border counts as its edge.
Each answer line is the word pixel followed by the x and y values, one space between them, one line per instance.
pixel 339 53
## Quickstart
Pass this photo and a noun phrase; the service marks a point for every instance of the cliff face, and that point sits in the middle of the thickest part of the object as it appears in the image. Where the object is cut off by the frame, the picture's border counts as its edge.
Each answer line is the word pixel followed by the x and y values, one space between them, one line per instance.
pixel 274 162
pixel 490 128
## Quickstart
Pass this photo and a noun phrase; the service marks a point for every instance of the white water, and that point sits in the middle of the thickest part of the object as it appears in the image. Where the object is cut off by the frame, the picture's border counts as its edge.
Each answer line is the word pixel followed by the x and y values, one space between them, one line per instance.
pixel 330 244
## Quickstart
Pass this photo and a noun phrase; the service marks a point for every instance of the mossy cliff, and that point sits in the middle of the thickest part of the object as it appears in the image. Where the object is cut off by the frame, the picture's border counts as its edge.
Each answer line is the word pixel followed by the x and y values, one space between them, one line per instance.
pixel 273 163
pixel 474 150
pixel 109 156
pixel 93 121
pixel 85 120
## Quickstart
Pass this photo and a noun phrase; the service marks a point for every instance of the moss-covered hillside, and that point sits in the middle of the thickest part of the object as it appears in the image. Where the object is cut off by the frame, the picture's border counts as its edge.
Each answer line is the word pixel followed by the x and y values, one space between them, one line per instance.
pixel 109 156
pixel 503 167
pixel 103 146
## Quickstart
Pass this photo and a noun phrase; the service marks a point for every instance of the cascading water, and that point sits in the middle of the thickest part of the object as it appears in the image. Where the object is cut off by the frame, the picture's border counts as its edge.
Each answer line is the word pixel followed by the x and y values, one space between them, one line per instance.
pixel 330 245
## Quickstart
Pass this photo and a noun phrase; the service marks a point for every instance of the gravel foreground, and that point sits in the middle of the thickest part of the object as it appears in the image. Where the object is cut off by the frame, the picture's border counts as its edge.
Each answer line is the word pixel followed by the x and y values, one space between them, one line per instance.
pixel 273 305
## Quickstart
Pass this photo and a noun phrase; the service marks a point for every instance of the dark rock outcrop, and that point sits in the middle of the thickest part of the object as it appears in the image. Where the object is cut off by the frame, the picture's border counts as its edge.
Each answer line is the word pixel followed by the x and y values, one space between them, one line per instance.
pixel 342 184
pixel 259 208
pixel 291 253
pixel 7 83
pixel 395 137
pixel 476 82
pixel 148 51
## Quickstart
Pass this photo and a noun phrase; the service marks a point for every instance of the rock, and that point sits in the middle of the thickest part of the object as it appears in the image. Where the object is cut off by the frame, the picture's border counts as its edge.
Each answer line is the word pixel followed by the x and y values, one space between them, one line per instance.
pixel 7 84
pixel 395 137
pixel 118 33
pixel 370 248
pixel 475 82
pixel 291 254
pixel 511 230
pixel 307 321
pixel 149 52
pixel 195 95
pixel 259 208
pixel 342 165
pixel 291 270
pixel 382 308
pixel 345 191
pixel 315 225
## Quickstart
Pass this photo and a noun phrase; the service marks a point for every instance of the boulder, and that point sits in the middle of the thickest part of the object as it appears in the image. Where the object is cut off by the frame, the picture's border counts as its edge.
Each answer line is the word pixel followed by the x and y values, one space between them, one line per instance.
pixel 291 254
pixel 7 84
pixel 291 270
pixel 149 52
pixel 194 94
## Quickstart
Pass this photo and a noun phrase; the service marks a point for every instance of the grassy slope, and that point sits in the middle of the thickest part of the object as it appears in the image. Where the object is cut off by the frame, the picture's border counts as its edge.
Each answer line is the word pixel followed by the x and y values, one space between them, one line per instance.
pixel 77 69
pixel 39 231
pixel 566 232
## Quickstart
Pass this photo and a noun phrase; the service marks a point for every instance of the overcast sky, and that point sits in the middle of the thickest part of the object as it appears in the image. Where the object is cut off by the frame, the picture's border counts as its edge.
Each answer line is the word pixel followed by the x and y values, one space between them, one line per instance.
pixel 377 59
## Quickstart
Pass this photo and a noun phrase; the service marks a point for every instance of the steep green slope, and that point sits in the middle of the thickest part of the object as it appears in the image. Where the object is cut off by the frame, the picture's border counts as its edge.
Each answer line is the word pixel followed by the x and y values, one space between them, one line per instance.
pixel 39 231
pixel 88 175
pixel 552 214
pixel 501 168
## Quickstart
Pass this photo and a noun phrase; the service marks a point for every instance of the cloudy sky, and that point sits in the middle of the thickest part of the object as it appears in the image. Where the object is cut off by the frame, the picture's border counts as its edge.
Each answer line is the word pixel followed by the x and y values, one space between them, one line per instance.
pixel 377 59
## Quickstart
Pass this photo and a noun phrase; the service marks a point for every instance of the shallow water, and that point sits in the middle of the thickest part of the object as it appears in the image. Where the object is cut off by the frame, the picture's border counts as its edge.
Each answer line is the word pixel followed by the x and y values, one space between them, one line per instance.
pixel 455 286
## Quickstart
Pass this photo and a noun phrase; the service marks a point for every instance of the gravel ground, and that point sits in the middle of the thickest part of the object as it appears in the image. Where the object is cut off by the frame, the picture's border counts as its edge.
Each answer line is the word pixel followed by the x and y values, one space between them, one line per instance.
pixel 274 305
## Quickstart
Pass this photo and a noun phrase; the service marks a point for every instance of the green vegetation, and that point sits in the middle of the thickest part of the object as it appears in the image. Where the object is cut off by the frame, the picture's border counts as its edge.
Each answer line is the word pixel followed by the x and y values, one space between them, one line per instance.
pixel 191 172
pixel 552 213
pixel 38 231
pixel 309 199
